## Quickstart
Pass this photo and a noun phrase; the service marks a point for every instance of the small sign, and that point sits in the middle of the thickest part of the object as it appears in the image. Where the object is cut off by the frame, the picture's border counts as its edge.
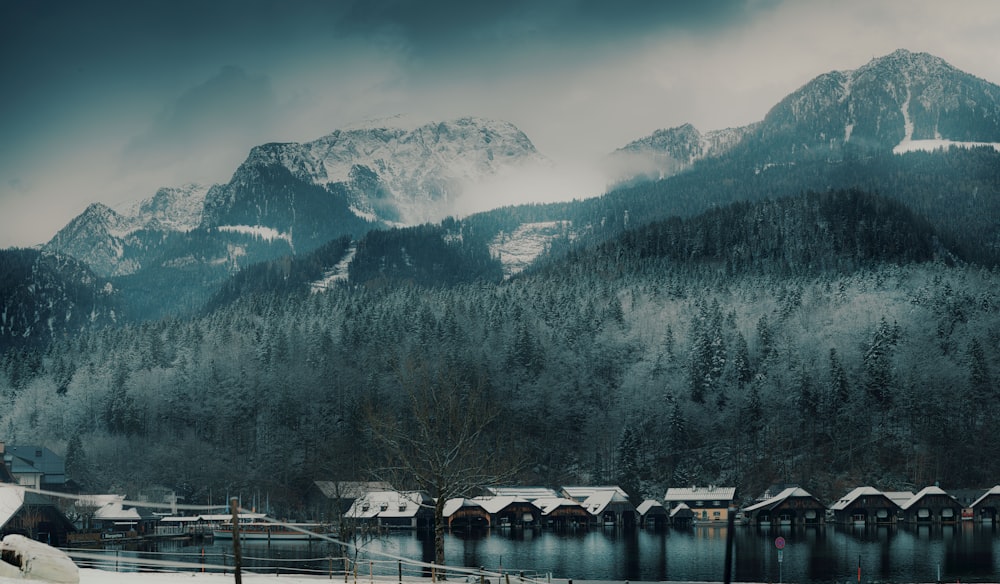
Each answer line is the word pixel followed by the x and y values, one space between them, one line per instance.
pixel 780 544
pixel 780 552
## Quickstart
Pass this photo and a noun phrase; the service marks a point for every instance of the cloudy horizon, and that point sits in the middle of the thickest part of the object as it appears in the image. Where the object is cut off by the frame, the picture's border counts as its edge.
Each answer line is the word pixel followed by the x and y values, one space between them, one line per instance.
pixel 110 100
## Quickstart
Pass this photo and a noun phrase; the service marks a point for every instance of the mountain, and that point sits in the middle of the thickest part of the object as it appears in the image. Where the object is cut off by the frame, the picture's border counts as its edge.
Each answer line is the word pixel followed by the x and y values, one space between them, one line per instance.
pixel 46 296
pixel 888 103
pixel 669 151
pixel 370 176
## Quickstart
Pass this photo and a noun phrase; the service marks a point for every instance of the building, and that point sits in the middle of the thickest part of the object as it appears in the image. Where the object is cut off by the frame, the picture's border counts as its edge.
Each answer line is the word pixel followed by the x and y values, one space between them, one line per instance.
pixel 708 504
pixel 331 499
pixel 792 506
pixel 932 505
pixel 561 512
pixel 608 505
pixel 35 467
pixel 526 493
pixel 865 506
pixel 491 512
pixel 652 514
pixel 984 509
pixel 393 509
pixel 32 515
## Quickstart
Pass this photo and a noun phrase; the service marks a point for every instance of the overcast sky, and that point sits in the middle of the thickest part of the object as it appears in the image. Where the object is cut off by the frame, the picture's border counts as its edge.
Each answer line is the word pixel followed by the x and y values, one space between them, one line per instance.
pixel 107 100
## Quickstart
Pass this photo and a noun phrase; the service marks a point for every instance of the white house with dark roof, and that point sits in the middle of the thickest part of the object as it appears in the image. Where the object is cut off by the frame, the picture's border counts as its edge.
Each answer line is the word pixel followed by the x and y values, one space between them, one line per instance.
pixel 709 504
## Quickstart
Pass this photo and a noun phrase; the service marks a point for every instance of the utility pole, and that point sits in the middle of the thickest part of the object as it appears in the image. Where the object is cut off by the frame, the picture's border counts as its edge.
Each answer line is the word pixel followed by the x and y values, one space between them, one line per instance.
pixel 238 558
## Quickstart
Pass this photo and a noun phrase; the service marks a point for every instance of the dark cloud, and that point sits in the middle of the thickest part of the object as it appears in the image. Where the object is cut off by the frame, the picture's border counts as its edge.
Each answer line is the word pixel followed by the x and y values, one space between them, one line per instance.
pixel 231 107
pixel 458 25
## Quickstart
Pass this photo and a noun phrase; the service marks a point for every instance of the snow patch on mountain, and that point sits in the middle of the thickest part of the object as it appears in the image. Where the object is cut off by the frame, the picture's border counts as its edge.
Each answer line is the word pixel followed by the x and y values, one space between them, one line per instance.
pixel 336 274
pixel 517 250
pixel 257 231
pixel 938 144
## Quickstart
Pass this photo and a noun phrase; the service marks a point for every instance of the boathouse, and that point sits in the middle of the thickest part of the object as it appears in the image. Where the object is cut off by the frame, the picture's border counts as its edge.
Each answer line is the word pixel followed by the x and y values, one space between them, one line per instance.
pixel 932 505
pixel 865 506
pixel 611 507
pixel 392 509
pixel 560 512
pixel 652 514
pixel 681 515
pixel 984 509
pixel 32 515
pixel 708 504
pixel 792 506
pixel 462 512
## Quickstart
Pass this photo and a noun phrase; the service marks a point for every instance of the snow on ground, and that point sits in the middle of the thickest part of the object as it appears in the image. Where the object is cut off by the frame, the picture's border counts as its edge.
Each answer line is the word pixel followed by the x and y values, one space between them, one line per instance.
pixel 259 231
pixel 930 145
pixel 518 249
pixel 93 576
pixel 337 273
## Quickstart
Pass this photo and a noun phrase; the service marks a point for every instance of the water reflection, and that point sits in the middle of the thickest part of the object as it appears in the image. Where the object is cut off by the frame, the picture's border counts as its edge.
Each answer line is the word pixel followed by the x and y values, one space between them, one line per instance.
pixel 965 552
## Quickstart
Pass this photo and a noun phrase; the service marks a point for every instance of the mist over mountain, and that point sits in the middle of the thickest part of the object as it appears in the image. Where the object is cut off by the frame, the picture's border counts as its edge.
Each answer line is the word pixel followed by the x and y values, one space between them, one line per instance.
pixel 761 291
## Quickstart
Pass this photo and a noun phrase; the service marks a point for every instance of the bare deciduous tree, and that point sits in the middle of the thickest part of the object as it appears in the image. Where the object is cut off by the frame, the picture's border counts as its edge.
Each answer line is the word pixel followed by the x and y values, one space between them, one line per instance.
pixel 440 441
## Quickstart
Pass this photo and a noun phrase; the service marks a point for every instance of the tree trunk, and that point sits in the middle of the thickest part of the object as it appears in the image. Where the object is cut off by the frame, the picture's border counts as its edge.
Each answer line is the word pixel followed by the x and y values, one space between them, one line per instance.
pixel 439 534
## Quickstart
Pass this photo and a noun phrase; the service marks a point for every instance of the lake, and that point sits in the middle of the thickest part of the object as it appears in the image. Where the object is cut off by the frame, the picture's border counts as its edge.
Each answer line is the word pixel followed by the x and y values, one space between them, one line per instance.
pixel 965 552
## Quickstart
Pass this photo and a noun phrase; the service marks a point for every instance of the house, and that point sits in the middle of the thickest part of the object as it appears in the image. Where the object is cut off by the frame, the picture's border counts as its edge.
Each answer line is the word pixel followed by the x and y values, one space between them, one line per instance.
pixel 562 512
pixel 708 504
pixel 117 518
pixel 611 507
pixel 35 467
pixel 865 505
pixel 965 498
pixel 652 514
pixel 393 509
pixel 526 493
pixel 333 498
pixel 32 515
pixel 461 511
pixel 681 515
pixel 984 509
pixel 932 505
pixel 792 506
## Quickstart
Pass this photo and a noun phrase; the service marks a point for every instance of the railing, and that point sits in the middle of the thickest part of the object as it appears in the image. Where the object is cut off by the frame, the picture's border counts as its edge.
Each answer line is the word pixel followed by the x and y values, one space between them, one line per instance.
pixel 330 567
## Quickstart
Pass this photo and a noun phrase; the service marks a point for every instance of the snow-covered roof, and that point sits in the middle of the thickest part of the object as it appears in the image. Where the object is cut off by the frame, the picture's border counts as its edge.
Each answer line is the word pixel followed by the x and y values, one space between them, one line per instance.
pixel 899 497
pixel 527 493
pixel 849 498
pixel 583 493
pixel 11 501
pixel 649 505
pixel 994 491
pixel 550 504
pixel 927 491
pixel 491 505
pixel 790 492
pixel 679 509
pixel 385 504
pixel 598 501
pixel 709 493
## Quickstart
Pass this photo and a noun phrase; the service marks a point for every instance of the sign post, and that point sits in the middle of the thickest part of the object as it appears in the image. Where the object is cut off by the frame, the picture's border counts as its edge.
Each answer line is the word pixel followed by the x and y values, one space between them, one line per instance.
pixel 779 543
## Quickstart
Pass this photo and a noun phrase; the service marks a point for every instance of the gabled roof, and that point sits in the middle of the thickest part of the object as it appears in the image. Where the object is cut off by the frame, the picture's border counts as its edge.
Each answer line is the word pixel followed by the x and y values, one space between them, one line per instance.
pixel 527 493
pixel 709 493
pixel 681 510
pixel 583 493
pixel 11 501
pixel 386 504
pixel 550 504
pixel 650 505
pixel 789 493
pixel 598 501
pixel 994 491
pixel 491 505
pixel 854 495
pixel 899 497
pixel 925 492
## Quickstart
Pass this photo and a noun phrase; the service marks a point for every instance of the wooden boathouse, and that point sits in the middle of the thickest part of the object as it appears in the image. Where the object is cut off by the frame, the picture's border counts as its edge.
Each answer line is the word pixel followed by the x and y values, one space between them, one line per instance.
pixel 865 506
pixel 792 506
pixel 932 505
pixel 985 508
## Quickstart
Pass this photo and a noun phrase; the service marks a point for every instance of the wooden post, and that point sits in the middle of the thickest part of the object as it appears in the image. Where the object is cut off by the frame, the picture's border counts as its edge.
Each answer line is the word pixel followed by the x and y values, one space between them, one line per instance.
pixel 238 558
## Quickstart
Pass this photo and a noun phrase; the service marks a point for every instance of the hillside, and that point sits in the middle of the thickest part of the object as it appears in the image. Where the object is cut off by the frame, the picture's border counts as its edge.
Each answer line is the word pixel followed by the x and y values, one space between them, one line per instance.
pixel 726 372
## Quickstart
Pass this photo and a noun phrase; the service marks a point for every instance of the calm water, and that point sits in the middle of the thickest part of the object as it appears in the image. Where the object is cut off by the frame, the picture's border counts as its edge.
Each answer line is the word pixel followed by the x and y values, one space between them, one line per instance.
pixel 965 552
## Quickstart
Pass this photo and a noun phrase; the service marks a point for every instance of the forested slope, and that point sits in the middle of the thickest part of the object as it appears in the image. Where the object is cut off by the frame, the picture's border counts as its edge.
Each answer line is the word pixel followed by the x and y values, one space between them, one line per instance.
pixel 824 339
